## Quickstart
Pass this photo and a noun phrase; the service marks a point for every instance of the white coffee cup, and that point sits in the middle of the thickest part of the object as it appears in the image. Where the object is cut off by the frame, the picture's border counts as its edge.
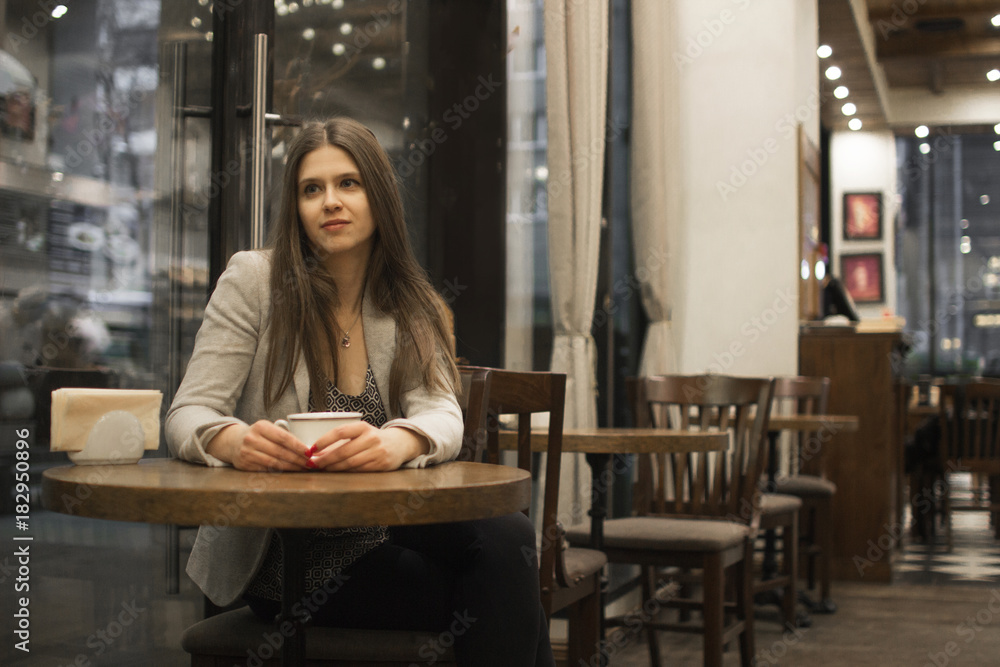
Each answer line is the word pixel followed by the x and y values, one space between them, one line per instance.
pixel 309 426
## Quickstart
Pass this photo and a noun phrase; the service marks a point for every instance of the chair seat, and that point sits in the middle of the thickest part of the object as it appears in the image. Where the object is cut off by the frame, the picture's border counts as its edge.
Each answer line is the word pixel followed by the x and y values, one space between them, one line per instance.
pixel 778 503
pixel 806 486
pixel 665 534
pixel 233 633
pixel 581 562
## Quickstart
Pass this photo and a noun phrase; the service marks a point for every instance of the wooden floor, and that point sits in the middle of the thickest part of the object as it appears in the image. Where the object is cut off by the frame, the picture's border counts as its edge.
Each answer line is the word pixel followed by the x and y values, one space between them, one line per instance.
pixel 908 625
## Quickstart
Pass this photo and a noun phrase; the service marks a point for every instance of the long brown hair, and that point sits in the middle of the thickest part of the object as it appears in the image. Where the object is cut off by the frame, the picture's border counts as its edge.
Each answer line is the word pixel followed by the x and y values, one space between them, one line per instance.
pixel 304 296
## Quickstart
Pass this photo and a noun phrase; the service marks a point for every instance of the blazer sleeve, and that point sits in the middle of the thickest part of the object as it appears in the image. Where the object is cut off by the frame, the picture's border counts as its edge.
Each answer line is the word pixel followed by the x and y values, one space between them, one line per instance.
pixel 224 350
pixel 436 415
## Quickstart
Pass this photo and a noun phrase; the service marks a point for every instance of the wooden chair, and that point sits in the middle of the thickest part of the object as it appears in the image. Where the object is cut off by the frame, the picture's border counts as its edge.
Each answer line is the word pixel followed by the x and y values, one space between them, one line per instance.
pixel 238 634
pixel 570 578
pixel 698 511
pixel 969 419
pixel 807 481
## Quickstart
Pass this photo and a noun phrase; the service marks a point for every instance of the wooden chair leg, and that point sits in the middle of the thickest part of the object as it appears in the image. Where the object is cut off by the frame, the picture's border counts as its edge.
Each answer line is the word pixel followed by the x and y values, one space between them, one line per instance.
pixel 790 542
pixel 713 609
pixel 808 522
pixel 743 572
pixel 584 630
pixel 648 591
pixel 946 511
pixel 994 502
pixel 823 538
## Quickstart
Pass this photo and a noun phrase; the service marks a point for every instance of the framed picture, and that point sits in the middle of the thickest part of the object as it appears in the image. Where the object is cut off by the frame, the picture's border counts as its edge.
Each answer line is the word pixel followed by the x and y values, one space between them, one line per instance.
pixel 862 216
pixel 862 276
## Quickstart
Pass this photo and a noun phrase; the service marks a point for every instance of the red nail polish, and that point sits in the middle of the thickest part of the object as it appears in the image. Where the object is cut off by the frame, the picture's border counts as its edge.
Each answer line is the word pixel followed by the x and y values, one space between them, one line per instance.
pixel 312 450
pixel 310 464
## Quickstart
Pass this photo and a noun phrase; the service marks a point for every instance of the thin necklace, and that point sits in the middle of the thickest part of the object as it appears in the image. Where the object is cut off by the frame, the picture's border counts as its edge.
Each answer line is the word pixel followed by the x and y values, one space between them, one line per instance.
pixel 346 340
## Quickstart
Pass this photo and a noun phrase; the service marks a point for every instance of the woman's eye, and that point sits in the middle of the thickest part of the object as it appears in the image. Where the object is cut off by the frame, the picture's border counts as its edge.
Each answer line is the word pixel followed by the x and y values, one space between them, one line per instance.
pixel 349 183
pixel 310 189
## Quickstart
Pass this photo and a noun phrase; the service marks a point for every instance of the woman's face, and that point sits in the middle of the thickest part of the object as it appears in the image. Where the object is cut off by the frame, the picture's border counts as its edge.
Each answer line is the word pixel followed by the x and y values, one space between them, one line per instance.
pixel 333 204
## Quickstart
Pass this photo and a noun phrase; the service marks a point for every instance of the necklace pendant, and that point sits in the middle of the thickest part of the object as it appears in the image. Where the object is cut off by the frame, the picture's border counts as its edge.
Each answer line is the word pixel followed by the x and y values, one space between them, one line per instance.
pixel 345 341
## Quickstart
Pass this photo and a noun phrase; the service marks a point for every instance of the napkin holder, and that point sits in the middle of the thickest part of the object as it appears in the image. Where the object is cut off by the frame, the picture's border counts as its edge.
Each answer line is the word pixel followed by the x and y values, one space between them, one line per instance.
pixel 105 426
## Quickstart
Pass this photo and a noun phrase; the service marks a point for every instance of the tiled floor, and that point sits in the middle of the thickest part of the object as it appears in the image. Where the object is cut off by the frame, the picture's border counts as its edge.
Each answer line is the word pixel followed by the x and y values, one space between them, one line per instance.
pixel 974 558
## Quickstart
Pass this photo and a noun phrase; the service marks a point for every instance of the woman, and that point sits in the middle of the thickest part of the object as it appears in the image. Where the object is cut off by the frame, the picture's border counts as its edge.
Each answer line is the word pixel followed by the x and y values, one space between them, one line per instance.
pixel 338 315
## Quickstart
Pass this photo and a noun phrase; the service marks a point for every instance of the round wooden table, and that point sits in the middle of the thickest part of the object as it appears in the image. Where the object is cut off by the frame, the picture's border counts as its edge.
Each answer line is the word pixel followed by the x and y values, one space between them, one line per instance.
pixel 176 492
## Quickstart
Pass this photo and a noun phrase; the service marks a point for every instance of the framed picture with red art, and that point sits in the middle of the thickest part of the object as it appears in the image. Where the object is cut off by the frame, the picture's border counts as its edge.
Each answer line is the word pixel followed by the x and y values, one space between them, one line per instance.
pixel 862 276
pixel 862 216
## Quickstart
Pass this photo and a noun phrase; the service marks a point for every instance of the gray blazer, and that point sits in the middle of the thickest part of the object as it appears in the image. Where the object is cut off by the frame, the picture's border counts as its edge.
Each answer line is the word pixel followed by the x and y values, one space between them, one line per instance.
pixel 224 384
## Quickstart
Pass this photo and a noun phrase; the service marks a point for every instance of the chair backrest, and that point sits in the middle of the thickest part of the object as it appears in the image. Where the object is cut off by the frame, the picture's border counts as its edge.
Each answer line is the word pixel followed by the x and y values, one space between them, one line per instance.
pixel 474 396
pixel 704 484
pixel 523 393
pixel 803 395
pixel 970 429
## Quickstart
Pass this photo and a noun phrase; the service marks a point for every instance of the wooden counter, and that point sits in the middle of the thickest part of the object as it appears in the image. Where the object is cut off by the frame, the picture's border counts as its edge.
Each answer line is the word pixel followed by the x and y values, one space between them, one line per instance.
pixel 867 465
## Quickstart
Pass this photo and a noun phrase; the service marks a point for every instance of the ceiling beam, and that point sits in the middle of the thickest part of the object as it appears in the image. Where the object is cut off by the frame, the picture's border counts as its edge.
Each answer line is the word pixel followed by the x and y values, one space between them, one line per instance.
pixel 972 11
pixel 923 45
pixel 859 10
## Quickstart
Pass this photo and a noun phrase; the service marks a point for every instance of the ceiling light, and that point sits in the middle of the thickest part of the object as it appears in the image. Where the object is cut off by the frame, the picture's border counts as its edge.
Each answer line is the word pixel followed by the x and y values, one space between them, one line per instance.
pixel 338 49
pixel 338 4
pixel 308 33
pixel 984 199
pixel 925 148
pixel 996 128
pixel 59 10
pixel 840 92
pixel 855 124
pixel 824 51
pixel 346 28
pixel 293 7
pixel 996 146
pixel 965 245
pixel 921 131
pixel 833 73
pixel 378 63
pixel 849 109
pixel 993 74
pixel 995 21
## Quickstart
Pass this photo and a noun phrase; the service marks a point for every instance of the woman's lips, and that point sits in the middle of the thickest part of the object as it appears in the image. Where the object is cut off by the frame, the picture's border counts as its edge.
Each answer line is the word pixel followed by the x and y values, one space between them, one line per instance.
pixel 334 224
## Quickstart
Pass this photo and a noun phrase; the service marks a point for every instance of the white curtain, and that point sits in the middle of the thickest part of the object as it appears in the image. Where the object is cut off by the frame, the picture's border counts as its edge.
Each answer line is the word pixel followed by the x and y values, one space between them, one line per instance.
pixel 576 48
pixel 655 146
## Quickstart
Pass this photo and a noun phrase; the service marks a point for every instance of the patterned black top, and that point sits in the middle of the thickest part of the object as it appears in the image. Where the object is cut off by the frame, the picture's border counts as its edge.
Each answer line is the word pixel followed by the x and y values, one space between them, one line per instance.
pixel 328 550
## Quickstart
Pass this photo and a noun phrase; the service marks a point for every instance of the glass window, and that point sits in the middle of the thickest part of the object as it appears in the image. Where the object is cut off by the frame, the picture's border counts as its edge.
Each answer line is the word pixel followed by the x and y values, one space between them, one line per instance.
pixel 528 312
pixel 949 251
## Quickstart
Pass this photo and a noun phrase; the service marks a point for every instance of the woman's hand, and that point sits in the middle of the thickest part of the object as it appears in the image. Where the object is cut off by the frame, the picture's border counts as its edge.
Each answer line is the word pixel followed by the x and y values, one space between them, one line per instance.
pixel 259 447
pixel 360 447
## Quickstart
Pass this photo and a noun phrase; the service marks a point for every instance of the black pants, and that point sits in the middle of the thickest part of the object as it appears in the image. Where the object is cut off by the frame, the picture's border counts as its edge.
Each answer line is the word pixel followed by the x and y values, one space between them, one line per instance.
pixel 475 583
